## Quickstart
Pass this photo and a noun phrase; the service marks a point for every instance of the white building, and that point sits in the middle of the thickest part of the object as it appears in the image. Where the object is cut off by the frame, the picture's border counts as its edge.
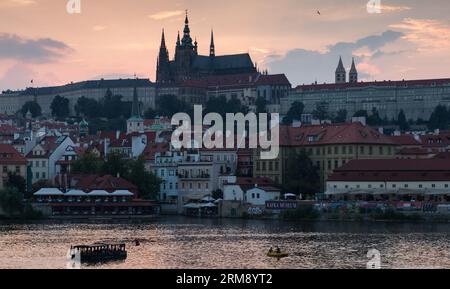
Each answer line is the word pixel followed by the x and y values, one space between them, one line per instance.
pixel 45 154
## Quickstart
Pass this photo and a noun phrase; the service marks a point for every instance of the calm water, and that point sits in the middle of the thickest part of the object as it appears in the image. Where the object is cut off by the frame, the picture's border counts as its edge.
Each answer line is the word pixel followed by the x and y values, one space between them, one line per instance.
pixel 190 243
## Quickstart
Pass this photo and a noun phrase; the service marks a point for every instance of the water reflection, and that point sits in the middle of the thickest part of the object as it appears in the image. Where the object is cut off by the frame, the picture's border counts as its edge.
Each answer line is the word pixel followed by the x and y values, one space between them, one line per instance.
pixel 191 243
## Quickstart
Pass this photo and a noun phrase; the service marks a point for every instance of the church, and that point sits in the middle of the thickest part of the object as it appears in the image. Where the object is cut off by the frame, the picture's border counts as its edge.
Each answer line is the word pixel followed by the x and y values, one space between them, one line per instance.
pixel 188 64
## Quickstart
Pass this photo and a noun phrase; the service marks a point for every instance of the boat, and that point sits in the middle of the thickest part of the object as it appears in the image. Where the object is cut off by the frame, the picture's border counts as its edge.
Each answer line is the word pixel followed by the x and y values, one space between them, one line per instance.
pixel 278 255
pixel 99 253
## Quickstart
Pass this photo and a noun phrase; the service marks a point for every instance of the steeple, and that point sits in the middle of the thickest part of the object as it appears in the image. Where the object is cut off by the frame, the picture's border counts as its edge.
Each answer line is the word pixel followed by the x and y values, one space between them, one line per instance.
pixel 340 75
pixel 163 40
pixel 187 40
pixel 135 109
pixel 212 49
pixel 178 39
pixel 135 123
pixel 162 63
pixel 353 74
pixel 196 45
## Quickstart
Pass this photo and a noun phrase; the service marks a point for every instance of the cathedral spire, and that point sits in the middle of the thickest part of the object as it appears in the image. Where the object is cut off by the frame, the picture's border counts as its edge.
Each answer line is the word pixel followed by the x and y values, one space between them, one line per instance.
pixel 178 39
pixel 353 74
pixel 187 40
pixel 163 40
pixel 212 48
pixel 341 74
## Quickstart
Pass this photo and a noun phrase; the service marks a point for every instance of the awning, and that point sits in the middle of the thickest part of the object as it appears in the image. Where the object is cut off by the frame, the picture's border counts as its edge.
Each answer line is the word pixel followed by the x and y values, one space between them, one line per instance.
pixel 192 206
pixel 208 199
pixel 122 193
pixel 99 193
pixel 48 192
pixel 75 193
pixel 209 205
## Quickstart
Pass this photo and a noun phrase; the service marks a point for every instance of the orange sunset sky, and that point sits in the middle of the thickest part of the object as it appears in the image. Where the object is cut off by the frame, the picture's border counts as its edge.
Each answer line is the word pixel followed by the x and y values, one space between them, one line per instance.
pixel 110 38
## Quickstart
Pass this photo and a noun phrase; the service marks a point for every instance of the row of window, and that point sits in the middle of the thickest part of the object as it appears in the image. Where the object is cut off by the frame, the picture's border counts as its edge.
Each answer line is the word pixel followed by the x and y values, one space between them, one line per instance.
pixel 348 150
pixel 267 166
pixel 17 170
pixel 392 186
pixel 38 164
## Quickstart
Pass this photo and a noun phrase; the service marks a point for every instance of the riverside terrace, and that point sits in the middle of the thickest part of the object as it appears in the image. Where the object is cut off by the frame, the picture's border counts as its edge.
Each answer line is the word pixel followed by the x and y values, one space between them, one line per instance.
pixel 53 202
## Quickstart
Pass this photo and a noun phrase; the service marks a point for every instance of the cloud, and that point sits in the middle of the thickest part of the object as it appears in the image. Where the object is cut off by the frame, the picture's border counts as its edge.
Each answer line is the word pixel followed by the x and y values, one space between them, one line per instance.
pixel 98 28
pixel 20 3
pixel 428 34
pixel 388 8
pixel 308 66
pixel 166 14
pixel 42 50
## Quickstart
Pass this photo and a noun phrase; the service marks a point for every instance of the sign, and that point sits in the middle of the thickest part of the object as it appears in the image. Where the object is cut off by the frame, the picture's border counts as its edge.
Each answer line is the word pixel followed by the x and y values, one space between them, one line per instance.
pixel 281 205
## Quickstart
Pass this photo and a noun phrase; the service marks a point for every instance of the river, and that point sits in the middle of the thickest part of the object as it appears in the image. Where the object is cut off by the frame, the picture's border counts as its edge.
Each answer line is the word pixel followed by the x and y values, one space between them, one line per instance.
pixel 184 243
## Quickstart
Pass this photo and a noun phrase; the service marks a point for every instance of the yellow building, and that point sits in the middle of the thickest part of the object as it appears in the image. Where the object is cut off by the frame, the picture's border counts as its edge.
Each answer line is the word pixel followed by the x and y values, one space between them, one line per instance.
pixel 329 146
pixel 11 161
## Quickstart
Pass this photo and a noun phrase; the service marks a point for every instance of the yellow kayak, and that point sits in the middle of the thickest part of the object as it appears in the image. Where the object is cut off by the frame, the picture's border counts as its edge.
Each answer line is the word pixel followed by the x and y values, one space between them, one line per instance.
pixel 277 255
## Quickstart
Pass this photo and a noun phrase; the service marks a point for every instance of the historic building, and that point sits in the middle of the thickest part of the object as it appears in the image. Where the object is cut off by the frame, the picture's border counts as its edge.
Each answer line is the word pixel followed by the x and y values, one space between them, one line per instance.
pixel 12 101
pixel 188 64
pixel 417 98
pixel 329 146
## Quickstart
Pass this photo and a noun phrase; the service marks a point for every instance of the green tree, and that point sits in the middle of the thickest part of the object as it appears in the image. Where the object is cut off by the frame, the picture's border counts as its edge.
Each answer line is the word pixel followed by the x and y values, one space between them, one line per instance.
pixel 295 112
pixel 150 113
pixel 302 176
pixel 17 182
pixel 223 106
pixel 439 118
pixel 60 107
pixel 87 164
pixel 261 104
pixel 341 116
pixel 88 107
pixel 374 118
pixel 147 183
pixel 116 164
pixel 33 107
pixel 11 201
pixel 361 113
pixel 321 111
pixel 401 121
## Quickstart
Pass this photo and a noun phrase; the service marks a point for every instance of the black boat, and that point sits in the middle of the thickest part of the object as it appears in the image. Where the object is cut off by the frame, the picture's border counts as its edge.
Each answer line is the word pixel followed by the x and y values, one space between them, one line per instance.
pixel 99 253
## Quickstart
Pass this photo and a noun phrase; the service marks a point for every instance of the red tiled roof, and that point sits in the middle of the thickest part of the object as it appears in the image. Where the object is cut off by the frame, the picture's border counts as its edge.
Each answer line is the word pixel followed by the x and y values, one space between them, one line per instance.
pixel 152 149
pixel 401 83
pixel 345 133
pixel 108 183
pixel 274 79
pixel 405 140
pixel 10 156
pixel 432 140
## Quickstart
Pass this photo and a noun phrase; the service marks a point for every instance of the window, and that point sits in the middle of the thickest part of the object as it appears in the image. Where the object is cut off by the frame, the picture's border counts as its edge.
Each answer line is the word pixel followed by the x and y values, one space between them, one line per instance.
pixel 257 196
pixel 270 166
pixel 336 150
pixel 17 170
pixel 381 150
pixel 361 150
pixel 329 165
pixel 336 164
pixel 394 185
pixel 406 185
pixel 253 195
pixel 276 166
pixel 258 166
pixel 433 186
pixel 37 175
pixel 264 166
pixel 5 169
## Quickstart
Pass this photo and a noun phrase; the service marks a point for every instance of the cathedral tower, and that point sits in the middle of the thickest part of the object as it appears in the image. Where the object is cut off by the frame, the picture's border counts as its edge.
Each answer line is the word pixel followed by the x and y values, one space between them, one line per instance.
pixel 341 74
pixel 353 75
pixel 163 66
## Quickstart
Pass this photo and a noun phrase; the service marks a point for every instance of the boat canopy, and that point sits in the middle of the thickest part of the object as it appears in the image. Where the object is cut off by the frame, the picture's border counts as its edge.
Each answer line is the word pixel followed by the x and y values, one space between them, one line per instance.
pixel 208 199
pixel 48 192
pixel 192 206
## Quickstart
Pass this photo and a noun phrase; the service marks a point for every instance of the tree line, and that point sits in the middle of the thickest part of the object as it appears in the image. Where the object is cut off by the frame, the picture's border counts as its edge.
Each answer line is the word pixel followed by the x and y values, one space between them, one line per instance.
pixel 132 170
pixel 440 118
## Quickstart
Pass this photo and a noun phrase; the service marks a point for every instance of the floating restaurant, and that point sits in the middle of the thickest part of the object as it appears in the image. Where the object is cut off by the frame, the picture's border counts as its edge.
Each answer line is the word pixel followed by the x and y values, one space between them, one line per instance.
pixel 53 202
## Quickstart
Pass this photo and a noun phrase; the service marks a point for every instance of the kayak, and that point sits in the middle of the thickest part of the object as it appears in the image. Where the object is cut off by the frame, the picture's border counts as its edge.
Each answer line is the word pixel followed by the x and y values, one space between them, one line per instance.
pixel 278 255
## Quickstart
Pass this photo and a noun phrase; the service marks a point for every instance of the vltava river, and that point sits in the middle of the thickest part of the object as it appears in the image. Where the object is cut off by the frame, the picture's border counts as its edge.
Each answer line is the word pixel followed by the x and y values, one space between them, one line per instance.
pixel 177 242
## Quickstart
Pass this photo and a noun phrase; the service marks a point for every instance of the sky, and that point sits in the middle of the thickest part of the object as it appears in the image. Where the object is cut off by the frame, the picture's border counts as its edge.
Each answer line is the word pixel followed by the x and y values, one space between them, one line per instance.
pixel 40 40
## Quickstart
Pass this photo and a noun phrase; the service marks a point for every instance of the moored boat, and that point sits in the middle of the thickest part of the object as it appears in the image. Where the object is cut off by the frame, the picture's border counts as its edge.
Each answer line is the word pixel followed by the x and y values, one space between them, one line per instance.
pixel 99 253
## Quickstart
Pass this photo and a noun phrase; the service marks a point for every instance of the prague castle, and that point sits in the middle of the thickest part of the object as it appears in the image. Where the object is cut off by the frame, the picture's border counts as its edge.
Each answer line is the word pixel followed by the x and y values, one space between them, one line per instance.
pixel 188 64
